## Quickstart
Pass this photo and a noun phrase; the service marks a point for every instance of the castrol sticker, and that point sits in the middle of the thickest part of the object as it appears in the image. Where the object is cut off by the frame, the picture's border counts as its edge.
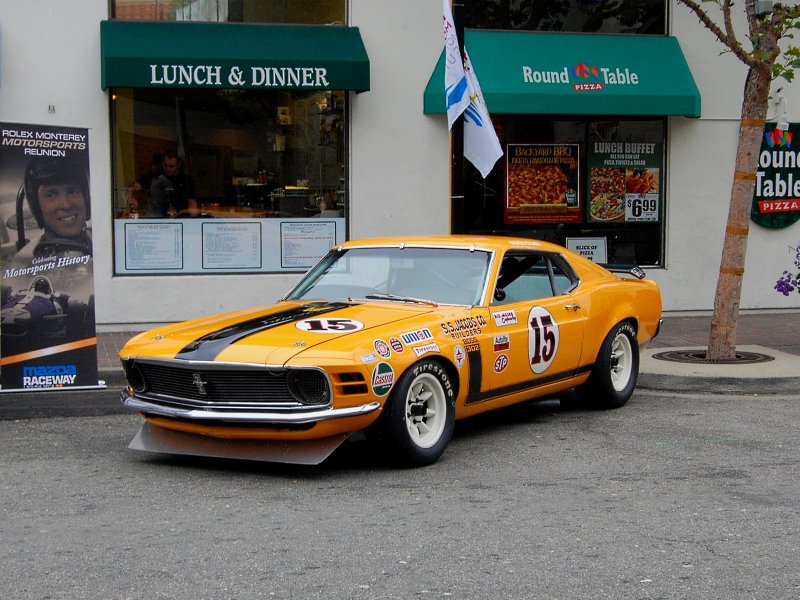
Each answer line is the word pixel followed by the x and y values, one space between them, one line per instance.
pixel 543 337
pixel 382 379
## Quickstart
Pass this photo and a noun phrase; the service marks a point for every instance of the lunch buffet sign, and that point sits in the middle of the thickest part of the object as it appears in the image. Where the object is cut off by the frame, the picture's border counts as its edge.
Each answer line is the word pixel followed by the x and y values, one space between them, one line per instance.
pixel 544 183
pixel 776 198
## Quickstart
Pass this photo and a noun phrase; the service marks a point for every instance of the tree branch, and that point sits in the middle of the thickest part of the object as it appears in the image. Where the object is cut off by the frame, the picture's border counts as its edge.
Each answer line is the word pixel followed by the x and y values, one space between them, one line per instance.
pixel 727 37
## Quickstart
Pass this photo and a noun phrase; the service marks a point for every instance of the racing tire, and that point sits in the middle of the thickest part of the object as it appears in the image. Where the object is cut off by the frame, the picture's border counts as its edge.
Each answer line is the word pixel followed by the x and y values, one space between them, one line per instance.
pixel 615 372
pixel 416 424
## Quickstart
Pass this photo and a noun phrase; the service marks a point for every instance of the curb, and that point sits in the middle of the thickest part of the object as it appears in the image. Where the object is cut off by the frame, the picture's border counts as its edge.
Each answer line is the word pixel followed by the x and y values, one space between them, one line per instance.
pixel 752 386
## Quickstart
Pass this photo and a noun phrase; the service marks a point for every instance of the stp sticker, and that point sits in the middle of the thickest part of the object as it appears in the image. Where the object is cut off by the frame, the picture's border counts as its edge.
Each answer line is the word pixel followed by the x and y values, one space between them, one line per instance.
pixel 543 337
pixel 382 379
pixel 329 325
pixel 500 363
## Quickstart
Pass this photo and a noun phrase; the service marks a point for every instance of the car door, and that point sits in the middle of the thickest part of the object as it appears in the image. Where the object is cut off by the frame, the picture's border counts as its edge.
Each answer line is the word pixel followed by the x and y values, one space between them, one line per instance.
pixel 537 325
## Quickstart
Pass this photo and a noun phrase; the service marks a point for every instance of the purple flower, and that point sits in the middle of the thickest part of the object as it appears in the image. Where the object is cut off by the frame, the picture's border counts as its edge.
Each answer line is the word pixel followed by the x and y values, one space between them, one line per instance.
pixel 789 282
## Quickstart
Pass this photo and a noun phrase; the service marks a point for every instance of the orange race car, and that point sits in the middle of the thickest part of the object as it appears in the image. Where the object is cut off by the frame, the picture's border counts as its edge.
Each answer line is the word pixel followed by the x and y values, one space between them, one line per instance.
pixel 398 337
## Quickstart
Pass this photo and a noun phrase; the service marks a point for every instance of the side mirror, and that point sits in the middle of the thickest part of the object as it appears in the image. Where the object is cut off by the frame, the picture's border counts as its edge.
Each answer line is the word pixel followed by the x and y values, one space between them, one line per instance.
pixel 499 294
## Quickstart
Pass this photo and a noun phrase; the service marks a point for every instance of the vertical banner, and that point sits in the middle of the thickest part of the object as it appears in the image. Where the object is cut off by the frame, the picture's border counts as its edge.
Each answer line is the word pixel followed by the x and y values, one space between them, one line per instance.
pixel 47 322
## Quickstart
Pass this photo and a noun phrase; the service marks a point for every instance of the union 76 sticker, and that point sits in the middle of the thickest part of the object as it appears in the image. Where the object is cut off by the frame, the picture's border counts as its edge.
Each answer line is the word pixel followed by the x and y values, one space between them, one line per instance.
pixel 329 325
pixel 543 339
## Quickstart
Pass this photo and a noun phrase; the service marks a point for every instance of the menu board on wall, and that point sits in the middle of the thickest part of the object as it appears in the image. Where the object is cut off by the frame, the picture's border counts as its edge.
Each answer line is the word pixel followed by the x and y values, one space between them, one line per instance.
pixel 624 181
pixel 216 245
pixel 542 184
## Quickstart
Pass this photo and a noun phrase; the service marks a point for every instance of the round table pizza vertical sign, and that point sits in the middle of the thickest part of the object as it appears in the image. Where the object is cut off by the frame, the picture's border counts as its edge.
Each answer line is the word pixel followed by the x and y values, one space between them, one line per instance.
pixel 776 200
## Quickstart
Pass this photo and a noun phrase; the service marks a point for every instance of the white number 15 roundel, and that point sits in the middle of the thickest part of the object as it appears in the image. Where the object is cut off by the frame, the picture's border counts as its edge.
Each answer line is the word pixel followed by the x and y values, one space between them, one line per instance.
pixel 330 325
pixel 542 339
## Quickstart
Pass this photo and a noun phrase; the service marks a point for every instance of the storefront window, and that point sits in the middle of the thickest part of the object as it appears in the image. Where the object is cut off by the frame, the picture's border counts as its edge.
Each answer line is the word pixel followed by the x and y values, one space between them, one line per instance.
pixel 308 12
pixel 594 185
pixel 577 16
pixel 227 180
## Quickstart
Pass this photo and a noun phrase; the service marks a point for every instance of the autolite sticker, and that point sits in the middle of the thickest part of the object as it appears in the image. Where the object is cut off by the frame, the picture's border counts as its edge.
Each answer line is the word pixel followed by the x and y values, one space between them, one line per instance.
pixel 382 379
pixel 415 337
pixel 505 317
pixel 420 350
pixel 382 348
pixel 501 343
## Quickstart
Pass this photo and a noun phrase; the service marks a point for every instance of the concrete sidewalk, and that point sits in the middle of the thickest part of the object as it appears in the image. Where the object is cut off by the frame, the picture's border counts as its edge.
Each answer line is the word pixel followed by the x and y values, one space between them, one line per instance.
pixel 771 339
pixel 775 334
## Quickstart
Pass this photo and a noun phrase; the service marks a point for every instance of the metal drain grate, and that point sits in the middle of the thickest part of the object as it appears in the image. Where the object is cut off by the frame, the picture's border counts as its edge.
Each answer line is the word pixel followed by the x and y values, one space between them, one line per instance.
pixel 699 357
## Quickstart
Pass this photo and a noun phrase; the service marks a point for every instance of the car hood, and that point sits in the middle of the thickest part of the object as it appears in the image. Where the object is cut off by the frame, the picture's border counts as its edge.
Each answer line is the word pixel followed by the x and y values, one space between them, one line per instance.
pixel 270 335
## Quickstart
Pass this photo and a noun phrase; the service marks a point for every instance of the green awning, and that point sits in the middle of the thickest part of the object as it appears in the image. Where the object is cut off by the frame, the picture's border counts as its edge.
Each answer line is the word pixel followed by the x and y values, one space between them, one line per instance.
pixel 575 74
pixel 232 55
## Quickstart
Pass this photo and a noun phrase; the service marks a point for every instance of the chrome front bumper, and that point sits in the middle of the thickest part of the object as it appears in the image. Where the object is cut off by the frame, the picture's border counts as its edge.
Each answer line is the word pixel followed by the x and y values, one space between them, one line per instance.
pixel 263 417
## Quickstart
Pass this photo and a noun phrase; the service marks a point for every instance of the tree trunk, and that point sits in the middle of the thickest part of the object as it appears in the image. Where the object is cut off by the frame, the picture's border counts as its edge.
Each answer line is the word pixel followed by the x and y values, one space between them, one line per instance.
pixel 724 320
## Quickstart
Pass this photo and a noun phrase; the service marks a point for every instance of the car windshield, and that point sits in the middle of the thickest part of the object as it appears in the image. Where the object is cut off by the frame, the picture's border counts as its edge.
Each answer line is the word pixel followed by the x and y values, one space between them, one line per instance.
pixel 408 274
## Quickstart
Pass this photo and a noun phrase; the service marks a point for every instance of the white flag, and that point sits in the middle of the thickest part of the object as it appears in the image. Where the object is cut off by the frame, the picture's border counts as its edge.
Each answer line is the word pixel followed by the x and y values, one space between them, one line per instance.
pixel 481 146
pixel 455 80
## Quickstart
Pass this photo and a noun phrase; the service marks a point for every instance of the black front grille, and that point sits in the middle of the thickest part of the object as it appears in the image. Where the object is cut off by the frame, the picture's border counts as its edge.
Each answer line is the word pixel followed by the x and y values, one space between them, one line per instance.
pixel 213 386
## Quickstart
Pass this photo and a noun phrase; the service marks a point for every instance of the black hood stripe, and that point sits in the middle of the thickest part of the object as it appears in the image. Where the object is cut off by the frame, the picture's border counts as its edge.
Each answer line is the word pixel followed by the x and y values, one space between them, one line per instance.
pixel 209 346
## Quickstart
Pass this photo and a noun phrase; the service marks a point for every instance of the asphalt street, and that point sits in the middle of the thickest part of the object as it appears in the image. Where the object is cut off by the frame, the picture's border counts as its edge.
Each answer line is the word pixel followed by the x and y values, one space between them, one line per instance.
pixel 672 496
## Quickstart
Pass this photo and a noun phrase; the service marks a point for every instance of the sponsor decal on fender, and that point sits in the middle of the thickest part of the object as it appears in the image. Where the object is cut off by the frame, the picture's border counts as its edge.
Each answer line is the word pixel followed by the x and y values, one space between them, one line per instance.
pixel 420 350
pixel 504 317
pixel 382 379
pixel 396 345
pixel 418 336
pixel 382 348
pixel 368 358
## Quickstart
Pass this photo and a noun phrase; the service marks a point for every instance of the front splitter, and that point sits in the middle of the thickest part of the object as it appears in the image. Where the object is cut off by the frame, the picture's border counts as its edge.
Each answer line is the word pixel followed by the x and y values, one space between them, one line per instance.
pixel 151 438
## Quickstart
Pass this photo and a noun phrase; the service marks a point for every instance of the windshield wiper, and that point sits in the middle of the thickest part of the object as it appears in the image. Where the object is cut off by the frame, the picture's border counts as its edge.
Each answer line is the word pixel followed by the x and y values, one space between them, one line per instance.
pixel 393 298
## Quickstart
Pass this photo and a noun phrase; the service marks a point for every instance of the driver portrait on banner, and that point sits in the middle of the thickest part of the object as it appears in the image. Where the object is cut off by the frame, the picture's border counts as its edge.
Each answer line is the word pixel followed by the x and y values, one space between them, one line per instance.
pixel 47 323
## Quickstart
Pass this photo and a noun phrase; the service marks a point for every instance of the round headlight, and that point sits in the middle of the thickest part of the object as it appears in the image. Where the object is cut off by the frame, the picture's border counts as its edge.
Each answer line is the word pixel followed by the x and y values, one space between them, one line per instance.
pixel 135 377
pixel 308 387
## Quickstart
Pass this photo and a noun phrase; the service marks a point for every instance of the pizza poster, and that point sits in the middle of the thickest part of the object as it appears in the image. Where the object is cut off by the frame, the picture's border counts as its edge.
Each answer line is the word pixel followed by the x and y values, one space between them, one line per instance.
pixel 542 183
pixel 624 181
pixel 47 319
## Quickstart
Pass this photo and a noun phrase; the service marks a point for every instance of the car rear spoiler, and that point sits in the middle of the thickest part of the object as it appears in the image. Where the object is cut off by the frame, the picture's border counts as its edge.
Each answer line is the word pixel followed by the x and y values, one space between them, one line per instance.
pixel 637 272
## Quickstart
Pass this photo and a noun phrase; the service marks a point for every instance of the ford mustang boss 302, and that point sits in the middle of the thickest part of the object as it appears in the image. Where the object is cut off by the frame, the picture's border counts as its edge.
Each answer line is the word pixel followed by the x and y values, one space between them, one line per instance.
pixel 398 337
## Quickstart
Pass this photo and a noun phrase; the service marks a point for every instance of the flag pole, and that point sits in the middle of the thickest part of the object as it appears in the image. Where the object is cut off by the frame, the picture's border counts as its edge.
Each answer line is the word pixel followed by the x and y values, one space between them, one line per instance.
pixel 457 140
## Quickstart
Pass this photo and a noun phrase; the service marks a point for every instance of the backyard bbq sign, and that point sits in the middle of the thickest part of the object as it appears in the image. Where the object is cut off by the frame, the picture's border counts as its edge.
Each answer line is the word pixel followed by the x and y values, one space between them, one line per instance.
pixel 776 200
